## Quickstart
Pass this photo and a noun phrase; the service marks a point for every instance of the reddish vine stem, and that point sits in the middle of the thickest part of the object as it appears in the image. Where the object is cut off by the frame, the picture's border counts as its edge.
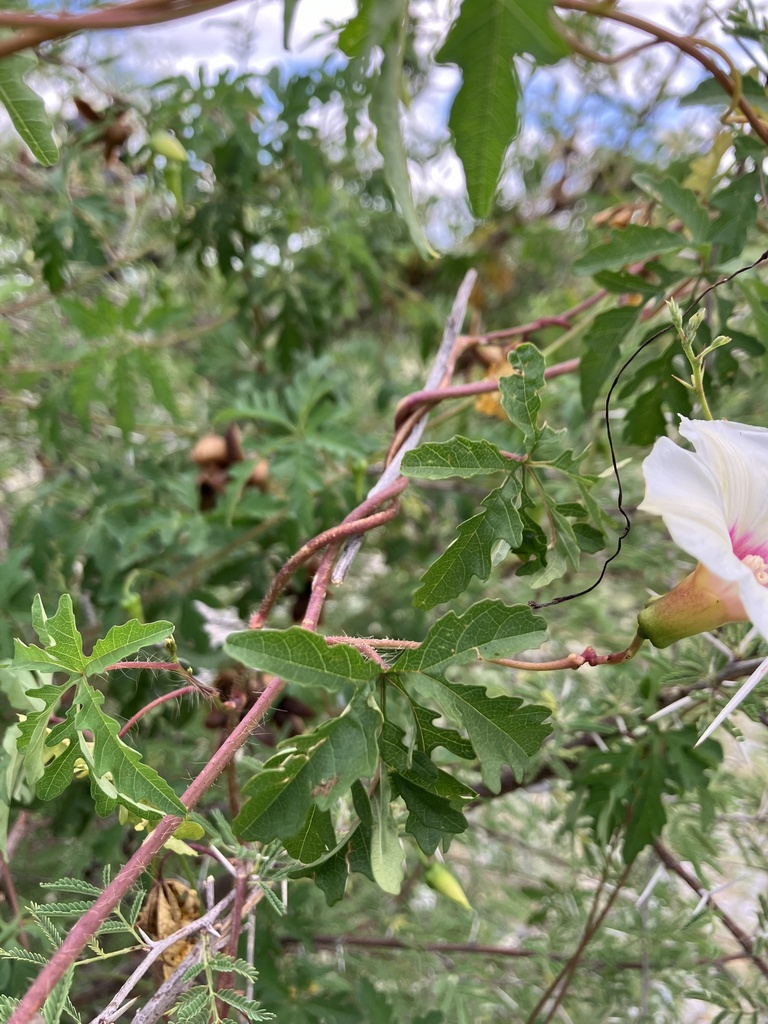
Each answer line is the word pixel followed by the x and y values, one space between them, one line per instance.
pixel 373 642
pixel 320 587
pixel 672 864
pixel 361 645
pixel 41 28
pixel 13 901
pixel 104 904
pixel 163 699
pixel 522 330
pixel 421 400
pixel 165 666
pixel 683 43
pixel 358 521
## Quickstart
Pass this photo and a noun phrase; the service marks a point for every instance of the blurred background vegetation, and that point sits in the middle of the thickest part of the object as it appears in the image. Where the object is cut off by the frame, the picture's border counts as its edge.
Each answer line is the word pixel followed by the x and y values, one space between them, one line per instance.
pixel 267 284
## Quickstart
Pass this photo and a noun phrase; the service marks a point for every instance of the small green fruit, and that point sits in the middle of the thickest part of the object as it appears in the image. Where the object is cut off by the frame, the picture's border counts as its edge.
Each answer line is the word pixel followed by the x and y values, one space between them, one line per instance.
pixel 168 145
pixel 438 877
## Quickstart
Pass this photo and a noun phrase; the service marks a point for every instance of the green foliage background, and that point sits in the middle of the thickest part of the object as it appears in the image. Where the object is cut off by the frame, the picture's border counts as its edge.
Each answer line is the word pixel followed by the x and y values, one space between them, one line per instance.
pixel 283 278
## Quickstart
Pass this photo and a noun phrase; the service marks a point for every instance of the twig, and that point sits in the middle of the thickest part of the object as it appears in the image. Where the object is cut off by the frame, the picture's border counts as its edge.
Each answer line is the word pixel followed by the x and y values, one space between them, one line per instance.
pixel 374 942
pixel 358 521
pixel 522 330
pixel 565 977
pixel 103 906
pixel 114 1008
pixel 428 397
pixel 673 864
pixel 680 42
pixel 122 15
pixel 163 699
pixel 168 993
pixel 241 886
pixel 443 362
pixel 320 583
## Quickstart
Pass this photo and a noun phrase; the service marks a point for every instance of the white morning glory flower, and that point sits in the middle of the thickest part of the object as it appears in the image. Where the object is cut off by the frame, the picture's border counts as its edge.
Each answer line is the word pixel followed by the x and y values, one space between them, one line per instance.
pixel 714 502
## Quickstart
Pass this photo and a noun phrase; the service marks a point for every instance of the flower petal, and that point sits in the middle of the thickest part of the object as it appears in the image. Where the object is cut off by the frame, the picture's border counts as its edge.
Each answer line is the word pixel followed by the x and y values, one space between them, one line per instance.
pixel 684 492
pixel 737 456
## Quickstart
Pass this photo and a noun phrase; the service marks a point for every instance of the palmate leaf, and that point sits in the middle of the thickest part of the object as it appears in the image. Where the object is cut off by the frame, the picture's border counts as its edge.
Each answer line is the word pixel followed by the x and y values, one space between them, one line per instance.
pixel 117 773
pixel 126 639
pixel 501 730
pixel 59 771
pixel 630 245
pixel 33 731
pixel 319 766
pixel 384 109
pixel 680 201
pixel 432 796
pixel 484 118
pixel 461 457
pixel 353 853
pixel 301 657
pixel 429 736
pixel 470 554
pixel 63 643
pixel 489 629
pixel 64 646
pixel 386 851
pixel 603 349
pixel 315 838
pixel 26 109
pixel 520 391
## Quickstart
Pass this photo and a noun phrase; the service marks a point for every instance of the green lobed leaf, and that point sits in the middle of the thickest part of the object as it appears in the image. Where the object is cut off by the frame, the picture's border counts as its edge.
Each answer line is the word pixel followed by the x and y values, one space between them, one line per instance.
pixel 353 853
pixel 318 767
pixel 126 639
pixel 301 657
pixel 489 629
pixel 117 772
pixel 470 554
pixel 314 839
pixel 629 245
pixel 483 41
pixel 501 729
pixel 710 93
pixel 432 796
pixel 429 736
pixel 419 769
pixel 737 205
pixel 64 646
pixel 462 457
pixel 26 109
pixel 384 110
pixel 386 850
pixel 59 771
pixel 520 391
pixel 33 731
pixel 602 350
pixel 680 201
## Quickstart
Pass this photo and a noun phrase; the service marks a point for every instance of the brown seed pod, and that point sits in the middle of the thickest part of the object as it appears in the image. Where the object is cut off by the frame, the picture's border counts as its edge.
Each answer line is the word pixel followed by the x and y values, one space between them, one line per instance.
pixel 211 449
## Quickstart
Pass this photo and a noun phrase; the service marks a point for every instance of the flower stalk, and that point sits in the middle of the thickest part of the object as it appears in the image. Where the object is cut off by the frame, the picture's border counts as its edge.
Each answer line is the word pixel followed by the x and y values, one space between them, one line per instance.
pixel 687 335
